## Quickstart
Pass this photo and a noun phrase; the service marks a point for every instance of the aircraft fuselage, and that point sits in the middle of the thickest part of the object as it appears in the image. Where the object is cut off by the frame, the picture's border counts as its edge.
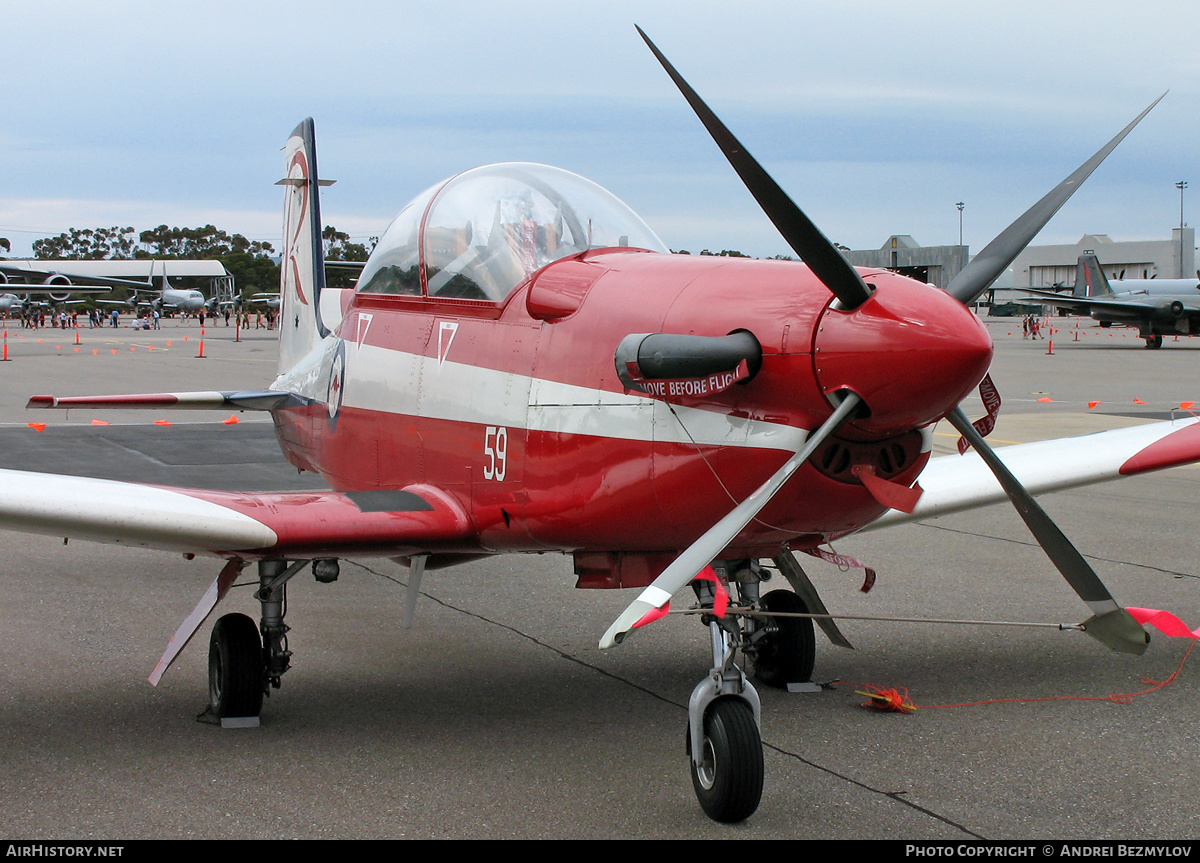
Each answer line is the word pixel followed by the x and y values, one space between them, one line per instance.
pixel 516 409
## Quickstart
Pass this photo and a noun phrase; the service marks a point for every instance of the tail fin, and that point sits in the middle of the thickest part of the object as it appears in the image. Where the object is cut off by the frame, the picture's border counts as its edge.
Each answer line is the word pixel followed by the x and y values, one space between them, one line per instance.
pixel 1090 280
pixel 302 265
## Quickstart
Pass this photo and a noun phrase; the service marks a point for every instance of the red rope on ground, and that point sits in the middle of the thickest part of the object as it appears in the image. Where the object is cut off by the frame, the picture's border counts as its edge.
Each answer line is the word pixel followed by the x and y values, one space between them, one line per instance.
pixel 897 700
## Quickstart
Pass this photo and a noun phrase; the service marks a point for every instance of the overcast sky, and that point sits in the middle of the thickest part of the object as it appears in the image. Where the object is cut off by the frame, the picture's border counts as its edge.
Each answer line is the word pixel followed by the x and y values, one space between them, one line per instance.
pixel 876 117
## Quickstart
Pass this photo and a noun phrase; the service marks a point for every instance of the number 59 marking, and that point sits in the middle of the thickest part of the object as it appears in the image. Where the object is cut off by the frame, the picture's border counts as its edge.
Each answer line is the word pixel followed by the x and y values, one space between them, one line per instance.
pixel 495 449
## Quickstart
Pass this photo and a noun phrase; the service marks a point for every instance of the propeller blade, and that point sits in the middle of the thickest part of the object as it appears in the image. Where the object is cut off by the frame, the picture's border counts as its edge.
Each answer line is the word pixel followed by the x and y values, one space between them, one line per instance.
pixel 997 255
pixel 1111 625
pixel 702 552
pixel 801 234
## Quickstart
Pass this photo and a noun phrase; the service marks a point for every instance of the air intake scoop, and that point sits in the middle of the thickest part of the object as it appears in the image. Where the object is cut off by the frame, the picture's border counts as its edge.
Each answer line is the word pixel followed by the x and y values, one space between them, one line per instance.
pixel 643 358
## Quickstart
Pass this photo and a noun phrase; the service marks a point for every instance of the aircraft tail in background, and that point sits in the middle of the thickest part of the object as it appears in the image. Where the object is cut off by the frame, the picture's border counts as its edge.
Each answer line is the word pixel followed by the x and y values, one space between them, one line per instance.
pixel 1090 280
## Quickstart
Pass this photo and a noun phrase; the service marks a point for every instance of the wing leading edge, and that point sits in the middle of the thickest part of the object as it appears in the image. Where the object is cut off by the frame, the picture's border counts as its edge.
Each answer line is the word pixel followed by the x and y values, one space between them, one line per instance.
pixel 954 483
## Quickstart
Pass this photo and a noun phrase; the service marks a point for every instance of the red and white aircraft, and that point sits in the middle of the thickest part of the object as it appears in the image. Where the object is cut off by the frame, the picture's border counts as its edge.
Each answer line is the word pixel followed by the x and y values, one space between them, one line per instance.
pixel 523 367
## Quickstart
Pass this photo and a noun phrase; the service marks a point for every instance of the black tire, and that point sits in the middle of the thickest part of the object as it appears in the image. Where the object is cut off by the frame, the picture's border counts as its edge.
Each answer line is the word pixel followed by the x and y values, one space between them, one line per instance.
pixel 1154 342
pixel 787 655
pixel 236 671
pixel 729 781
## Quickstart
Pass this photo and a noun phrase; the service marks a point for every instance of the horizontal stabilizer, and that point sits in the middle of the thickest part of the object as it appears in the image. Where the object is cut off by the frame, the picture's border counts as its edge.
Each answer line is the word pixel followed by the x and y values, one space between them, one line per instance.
pixel 249 400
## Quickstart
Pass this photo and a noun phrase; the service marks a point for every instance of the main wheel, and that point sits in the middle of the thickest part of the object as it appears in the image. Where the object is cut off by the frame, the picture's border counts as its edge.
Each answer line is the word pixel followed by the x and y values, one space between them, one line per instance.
pixel 729 778
pixel 1154 342
pixel 787 654
pixel 236 670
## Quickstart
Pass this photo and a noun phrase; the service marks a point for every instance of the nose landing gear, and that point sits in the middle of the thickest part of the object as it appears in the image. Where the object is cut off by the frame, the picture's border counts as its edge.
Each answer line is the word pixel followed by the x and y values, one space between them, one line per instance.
pixel 724 713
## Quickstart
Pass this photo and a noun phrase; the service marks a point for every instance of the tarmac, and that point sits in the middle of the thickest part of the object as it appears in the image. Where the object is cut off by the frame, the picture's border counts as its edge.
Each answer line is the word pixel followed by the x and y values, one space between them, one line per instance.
pixel 496 715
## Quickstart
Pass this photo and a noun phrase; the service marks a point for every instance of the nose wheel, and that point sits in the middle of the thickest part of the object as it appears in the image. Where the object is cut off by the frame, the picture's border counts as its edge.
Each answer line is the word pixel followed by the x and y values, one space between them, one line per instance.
pixel 728 772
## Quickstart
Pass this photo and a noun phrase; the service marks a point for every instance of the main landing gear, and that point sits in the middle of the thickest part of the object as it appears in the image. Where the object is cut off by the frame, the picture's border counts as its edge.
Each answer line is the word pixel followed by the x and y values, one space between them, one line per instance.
pixel 235 668
pixel 1153 342
pixel 246 661
pixel 724 713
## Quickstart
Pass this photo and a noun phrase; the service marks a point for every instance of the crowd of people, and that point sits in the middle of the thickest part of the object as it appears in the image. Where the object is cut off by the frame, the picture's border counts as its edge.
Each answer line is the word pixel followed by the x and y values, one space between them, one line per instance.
pixel 147 319
pixel 36 319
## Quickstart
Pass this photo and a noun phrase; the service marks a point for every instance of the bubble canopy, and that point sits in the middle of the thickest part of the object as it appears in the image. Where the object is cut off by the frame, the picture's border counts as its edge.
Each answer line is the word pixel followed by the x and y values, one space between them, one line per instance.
pixel 479 234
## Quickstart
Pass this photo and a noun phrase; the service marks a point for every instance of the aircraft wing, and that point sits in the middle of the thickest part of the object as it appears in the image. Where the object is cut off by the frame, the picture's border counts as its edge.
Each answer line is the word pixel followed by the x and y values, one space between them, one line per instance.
pixel 954 483
pixel 1084 305
pixel 1142 302
pixel 244 525
pixel 26 290
pixel 47 274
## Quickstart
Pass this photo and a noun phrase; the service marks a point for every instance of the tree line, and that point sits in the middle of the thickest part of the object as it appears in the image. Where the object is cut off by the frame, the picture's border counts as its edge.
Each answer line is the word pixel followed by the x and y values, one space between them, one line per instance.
pixel 250 262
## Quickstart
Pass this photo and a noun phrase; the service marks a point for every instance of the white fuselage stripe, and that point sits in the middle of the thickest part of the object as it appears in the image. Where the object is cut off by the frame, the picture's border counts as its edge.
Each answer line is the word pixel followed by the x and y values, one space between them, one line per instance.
pixel 388 381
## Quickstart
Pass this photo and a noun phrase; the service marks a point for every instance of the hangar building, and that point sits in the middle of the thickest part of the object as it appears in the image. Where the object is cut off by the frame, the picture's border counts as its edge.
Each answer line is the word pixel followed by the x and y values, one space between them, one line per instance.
pixel 1040 266
pixel 1043 266
pixel 902 254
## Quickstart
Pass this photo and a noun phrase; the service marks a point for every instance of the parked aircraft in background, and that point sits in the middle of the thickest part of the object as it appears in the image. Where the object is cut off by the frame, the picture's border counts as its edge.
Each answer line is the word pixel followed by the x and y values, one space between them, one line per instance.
pixel 523 367
pixel 16 304
pixel 1121 285
pixel 46 286
pixel 254 303
pixel 1155 307
pixel 187 300
pixel 44 276
pixel 139 275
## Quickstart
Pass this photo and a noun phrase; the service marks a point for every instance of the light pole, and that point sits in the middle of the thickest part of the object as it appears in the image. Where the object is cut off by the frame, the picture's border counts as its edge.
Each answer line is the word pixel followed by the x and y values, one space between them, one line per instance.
pixel 960 206
pixel 1181 185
